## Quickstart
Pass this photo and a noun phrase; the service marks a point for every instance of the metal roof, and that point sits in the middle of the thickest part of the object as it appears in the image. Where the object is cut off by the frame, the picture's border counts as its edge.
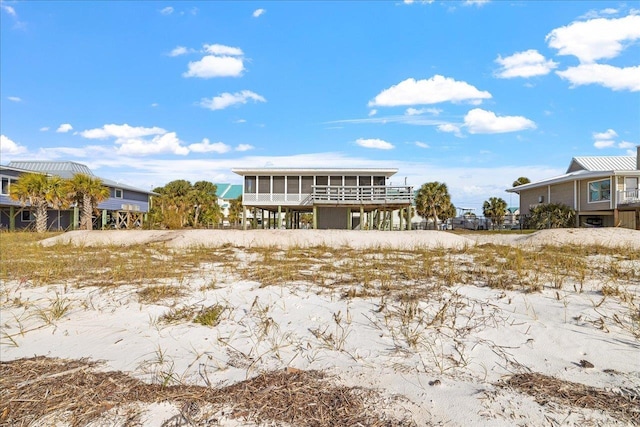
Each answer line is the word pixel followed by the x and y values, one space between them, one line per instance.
pixel 603 163
pixel 228 191
pixel 62 169
pixel 66 170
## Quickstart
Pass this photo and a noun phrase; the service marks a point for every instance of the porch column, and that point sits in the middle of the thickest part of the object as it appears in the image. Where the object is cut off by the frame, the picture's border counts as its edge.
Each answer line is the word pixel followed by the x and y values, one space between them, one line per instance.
pixel 349 221
pixel 12 218
pixel 616 218
pixel 401 218
pixel 361 217
pixel 390 220
pixel 315 217
pixel 244 218
pixel 104 219
pixel 409 216
pixel 254 220
pixel 76 215
pixel 279 220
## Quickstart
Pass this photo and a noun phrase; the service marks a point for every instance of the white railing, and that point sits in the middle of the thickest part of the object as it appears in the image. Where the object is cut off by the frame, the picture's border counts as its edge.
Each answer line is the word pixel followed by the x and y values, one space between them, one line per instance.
pixel 374 194
pixel 628 197
pixel 362 194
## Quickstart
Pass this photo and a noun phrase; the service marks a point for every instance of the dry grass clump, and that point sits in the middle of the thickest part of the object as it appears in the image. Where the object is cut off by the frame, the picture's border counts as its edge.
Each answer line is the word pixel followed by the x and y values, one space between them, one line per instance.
pixel 31 389
pixel 545 389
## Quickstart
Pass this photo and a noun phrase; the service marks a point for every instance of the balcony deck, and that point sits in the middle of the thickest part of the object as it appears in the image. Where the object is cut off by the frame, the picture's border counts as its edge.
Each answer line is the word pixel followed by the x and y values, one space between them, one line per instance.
pixel 629 198
pixel 368 197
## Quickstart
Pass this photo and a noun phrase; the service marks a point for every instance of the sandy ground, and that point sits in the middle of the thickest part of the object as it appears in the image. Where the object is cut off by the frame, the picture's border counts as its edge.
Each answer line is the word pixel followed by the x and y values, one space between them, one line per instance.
pixel 446 377
pixel 610 237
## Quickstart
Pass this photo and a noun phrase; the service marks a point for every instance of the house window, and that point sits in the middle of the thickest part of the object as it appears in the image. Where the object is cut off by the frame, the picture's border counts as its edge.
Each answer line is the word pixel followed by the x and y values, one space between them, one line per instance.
pixel 600 191
pixel 27 216
pixel 278 184
pixel 5 185
pixel 307 183
pixel 264 184
pixel 293 183
pixel 117 193
pixel 250 184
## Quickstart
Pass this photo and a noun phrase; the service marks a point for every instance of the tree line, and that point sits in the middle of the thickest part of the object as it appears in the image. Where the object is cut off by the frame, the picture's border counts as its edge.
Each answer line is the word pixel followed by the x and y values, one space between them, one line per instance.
pixel 433 202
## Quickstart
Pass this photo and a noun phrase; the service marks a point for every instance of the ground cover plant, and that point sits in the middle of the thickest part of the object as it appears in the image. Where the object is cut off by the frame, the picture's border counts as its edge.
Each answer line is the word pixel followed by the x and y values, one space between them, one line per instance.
pixel 435 320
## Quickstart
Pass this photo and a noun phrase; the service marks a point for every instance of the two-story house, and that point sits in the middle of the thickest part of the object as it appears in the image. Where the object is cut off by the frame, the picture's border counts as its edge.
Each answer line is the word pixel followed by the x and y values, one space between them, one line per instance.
pixel 603 190
pixel 337 198
pixel 125 208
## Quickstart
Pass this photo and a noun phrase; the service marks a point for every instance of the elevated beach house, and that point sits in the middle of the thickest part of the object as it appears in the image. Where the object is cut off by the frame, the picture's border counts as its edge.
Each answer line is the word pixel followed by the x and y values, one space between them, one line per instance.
pixel 125 208
pixel 336 198
pixel 603 190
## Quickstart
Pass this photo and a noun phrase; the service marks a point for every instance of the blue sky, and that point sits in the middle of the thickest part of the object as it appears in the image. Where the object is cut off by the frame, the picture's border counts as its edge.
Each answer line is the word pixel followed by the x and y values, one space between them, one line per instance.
pixel 470 93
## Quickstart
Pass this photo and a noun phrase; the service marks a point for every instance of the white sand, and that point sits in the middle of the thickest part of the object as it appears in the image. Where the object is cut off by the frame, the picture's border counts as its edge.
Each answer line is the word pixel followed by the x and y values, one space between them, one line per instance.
pixel 488 334
pixel 611 237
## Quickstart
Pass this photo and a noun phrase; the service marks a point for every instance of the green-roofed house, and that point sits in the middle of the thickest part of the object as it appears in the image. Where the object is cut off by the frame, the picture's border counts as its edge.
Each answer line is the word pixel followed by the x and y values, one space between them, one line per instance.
pixel 226 193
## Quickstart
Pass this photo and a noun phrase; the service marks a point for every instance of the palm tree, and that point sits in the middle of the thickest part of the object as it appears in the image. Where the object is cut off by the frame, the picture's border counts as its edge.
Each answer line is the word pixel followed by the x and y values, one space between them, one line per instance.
pixel 57 196
pixel 87 192
pixel 433 201
pixel 34 189
pixel 521 181
pixel 495 208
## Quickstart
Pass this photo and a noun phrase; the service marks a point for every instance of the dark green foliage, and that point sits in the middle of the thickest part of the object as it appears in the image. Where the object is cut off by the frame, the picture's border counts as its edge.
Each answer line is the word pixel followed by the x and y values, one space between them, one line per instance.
pixel 552 215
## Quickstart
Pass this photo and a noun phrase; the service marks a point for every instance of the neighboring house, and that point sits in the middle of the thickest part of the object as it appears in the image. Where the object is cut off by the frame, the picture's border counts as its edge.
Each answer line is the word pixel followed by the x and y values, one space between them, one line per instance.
pixel 602 190
pixel 125 208
pixel 226 193
pixel 338 198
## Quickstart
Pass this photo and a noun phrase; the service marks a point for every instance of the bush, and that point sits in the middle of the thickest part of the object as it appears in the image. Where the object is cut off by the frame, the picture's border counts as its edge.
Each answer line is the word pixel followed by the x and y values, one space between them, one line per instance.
pixel 552 215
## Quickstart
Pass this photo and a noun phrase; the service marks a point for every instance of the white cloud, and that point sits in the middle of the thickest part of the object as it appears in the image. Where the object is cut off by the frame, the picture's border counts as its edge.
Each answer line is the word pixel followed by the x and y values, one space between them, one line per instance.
pixel 167 10
pixel 431 91
pixel 449 128
pixel 240 121
pixel 482 121
pixel 258 12
pixel 180 50
pixel 524 64
pixel 166 143
pixel 421 144
pixel 373 112
pixel 604 139
pixel 608 134
pixel 64 128
pixel 121 131
pixel 220 49
pixel 8 147
pixel 155 104
pixel 228 99
pixel 14 98
pixel 604 143
pixel 374 143
pixel 10 10
pixel 626 145
pixel 418 111
pixel 244 147
pixel 215 66
pixel 207 147
pixel 615 78
pixel 476 2
pixel 594 39
pixel 44 128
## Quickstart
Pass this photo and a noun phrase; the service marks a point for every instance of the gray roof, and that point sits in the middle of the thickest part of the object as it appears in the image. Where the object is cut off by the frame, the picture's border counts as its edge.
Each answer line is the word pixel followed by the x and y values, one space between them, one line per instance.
pixel 66 170
pixel 62 169
pixel 603 163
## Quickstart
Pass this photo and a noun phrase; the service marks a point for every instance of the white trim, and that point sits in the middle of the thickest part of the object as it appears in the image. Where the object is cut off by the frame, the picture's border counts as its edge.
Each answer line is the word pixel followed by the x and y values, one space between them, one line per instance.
pixel 589 201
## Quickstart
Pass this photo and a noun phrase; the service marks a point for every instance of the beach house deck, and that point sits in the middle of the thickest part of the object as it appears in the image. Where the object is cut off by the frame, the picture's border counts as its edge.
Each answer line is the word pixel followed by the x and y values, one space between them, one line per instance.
pixel 337 198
